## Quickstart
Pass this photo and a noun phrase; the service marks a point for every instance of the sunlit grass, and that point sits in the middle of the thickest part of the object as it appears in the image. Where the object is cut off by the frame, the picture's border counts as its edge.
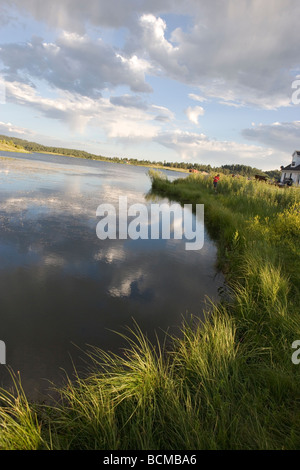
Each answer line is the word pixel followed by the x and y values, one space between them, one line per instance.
pixel 19 425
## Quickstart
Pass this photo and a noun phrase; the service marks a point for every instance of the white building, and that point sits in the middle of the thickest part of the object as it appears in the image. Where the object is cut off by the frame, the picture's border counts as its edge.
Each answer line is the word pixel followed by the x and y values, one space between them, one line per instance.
pixel 292 171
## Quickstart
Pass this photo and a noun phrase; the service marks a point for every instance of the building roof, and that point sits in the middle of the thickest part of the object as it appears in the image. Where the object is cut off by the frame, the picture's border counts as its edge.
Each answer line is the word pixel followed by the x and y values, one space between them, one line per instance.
pixel 291 168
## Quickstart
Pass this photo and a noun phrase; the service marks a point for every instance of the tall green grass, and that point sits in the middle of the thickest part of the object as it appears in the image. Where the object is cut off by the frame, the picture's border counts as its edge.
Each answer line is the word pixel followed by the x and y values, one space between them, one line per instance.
pixel 227 382
pixel 257 230
pixel 20 428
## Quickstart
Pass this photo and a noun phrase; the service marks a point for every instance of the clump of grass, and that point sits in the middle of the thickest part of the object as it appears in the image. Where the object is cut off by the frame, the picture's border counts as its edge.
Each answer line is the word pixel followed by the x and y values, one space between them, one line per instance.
pixel 214 388
pixel 20 428
pixel 131 401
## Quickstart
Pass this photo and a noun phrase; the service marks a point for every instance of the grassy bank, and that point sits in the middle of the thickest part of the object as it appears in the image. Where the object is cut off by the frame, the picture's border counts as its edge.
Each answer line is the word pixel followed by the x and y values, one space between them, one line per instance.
pixel 14 146
pixel 10 146
pixel 227 383
pixel 257 229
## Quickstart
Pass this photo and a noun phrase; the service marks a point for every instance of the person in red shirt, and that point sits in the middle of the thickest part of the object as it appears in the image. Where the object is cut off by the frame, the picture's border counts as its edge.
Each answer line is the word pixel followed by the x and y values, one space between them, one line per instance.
pixel 216 180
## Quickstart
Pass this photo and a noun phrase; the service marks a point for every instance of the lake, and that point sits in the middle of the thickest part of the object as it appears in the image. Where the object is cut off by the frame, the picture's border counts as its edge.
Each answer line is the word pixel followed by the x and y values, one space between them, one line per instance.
pixel 62 288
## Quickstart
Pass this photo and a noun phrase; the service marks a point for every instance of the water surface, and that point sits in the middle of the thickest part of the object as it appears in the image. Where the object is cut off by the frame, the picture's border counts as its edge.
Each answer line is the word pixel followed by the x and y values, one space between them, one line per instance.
pixel 61 288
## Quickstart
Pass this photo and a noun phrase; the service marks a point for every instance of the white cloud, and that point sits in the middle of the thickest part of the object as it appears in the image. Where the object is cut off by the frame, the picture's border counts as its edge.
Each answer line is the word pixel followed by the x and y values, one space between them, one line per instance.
pixel 76 110
pixel 9 128
pixel 75 63
pixel 163 114
pixel 79 111
pixel 239 95
pixel 135 103
pixel 111 255
pixel 241 53
pixel 159 49
pixel 283 136
pixel 132 125
pixel 199 148
pixel 193 113
pixel 195 97
pixel 121 287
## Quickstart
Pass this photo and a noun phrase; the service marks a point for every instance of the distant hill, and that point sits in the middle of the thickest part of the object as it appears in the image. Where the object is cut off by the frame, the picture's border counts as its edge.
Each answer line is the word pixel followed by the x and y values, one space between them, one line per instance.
pixel 243 170
pixel 10 146
pixel 39 148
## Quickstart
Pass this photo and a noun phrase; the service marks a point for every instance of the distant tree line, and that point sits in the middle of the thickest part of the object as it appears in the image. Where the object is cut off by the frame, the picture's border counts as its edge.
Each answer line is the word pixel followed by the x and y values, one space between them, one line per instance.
pixel 10 143
pixel 235 169
pixel 39 148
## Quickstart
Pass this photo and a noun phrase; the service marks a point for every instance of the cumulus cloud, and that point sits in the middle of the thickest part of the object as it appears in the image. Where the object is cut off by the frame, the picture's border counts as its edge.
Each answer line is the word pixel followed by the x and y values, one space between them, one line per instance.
pixel 242 53
pixel 160 50
pixel 10 129
pixel 183 142
pixel 74 63
pixel 74 109
pixel 193 113
pixel 199 148
pixel 236 94
pixel 78 111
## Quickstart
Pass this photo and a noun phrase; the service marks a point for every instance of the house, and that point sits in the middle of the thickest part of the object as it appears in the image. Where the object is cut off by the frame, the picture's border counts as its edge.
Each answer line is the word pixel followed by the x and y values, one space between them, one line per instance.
pixel 291 173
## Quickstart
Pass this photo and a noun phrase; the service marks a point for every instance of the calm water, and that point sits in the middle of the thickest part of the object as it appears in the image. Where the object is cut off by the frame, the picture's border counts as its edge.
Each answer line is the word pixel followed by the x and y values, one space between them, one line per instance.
pixel 61 288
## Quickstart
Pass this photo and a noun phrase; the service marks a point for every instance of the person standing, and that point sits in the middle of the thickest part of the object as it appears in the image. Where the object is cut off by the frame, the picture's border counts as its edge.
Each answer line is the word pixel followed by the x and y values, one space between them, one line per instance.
pixel 216 180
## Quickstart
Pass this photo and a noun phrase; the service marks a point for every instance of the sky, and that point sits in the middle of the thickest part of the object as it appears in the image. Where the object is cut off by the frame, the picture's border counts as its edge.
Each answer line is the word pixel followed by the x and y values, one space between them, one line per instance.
pixel 203 81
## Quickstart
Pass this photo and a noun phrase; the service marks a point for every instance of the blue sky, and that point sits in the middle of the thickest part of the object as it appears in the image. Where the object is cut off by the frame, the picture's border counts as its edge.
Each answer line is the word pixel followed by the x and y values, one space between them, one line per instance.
pixel 206 81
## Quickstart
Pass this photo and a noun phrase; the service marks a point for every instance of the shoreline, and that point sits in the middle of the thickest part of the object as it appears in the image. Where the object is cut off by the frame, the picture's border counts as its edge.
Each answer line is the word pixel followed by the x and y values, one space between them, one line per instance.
pixel 100 159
